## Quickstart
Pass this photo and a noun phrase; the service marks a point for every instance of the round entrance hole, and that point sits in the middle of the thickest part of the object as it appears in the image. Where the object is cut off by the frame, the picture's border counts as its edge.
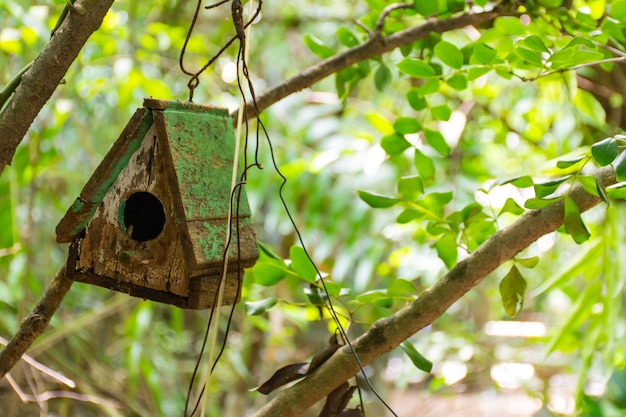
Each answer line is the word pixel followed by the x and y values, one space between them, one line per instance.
pixel 143 216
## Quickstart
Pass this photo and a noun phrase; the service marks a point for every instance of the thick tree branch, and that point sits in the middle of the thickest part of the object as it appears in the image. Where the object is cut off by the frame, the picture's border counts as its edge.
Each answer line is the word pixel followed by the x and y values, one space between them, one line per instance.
pixel 47 72
pixel 36 322
pixel 375 46
pixel 388 333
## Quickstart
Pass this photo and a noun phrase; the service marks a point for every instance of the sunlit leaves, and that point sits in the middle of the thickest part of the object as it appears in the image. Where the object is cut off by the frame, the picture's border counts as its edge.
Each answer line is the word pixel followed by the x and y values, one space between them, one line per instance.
pixel 318 47
pixel 590 108
pixel 483 54
pixel 447 249
pixel 424 165
pixel 449 54
pixel 574 224
pixel 437 141
pixel 617 191
pixel 376 200
pixel 302 265
pixel 605 151
pixel 512 289
pixel 620 167
pixel 410 187
pixel 416 68
pixel 394 144
pixel 404 125
pixel 346 37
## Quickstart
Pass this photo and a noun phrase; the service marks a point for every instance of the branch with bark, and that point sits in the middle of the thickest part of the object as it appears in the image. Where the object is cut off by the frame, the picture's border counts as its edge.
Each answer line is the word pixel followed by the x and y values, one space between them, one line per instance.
pixel 39 82
pixel 375 46
pixel 386 334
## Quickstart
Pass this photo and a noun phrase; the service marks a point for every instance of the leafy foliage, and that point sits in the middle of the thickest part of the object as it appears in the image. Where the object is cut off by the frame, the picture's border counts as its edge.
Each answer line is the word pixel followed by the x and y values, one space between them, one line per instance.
pixel 398 168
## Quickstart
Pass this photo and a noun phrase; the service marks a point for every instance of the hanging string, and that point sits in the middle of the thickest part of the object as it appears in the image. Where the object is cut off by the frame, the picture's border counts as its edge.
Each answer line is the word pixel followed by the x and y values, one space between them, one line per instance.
pixel 243 37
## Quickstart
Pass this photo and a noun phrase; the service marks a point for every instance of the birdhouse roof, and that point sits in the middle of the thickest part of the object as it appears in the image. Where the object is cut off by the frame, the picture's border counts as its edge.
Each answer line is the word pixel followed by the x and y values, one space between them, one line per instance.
pixel 200 148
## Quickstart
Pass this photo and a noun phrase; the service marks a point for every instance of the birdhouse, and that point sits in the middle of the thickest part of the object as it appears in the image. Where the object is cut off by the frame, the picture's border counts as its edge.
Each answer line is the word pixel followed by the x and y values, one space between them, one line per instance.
pixel 152 220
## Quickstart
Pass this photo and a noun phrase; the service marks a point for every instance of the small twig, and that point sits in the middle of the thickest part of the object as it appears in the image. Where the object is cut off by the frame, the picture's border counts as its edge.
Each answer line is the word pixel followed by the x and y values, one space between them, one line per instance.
pixel 373 47
pixel 385 13
pixel 36 322
pixel 43 368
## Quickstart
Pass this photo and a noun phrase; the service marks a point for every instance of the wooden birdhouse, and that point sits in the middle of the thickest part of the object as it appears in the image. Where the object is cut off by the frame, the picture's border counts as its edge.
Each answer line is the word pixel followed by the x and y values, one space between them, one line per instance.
pixel 152 219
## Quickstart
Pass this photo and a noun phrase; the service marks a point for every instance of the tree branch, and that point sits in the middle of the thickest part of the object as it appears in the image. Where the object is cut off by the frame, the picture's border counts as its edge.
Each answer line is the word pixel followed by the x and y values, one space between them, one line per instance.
pixel 38 83
pixel 375 46
pixel 36 322
pixel 387 333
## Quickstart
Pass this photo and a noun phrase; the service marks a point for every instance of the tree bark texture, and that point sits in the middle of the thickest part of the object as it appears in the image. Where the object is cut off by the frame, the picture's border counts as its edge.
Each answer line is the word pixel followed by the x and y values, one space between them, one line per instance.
pixel 47 72
pixel 375 46
pixel 387 333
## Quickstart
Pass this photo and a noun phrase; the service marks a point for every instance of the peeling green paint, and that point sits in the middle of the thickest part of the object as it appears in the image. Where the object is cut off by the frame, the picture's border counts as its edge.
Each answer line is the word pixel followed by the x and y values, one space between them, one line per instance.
pixel 203 145
pixel 77 206
pixel 121 163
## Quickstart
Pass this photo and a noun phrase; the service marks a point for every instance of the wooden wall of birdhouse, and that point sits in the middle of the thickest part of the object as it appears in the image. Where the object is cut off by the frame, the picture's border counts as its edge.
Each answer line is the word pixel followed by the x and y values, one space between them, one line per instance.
pixel 152 219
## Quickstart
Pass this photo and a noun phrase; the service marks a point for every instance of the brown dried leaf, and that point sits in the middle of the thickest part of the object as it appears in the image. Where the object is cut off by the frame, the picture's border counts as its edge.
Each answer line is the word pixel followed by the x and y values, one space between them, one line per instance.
pixel 323 356
pixel 283 376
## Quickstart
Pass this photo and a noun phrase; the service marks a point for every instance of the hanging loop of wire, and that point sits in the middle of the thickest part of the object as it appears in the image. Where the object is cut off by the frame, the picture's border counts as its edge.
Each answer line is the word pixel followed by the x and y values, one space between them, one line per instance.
pixel 237 15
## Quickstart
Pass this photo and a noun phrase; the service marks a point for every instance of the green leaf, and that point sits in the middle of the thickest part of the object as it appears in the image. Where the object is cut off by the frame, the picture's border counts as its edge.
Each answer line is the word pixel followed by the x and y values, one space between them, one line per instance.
pixel 408 215
pixel 590 184
pixel 418 360
pixel 617 191
pixel 302 265
pixel 376 200
pixel 382 77
pixel 416 101
pixel 269 272
pixel 475 73
pixel 605 151
pixel 378 297
pixel 618 10
pixel 458 82
pixel 590 108
pixel 523 181
pixel 530 56
pixel 429 87
pixel 266 250
pixel 483 54
pixel 620 167
pixel 416 68
pixel 537 203
pixel 424 165
pixel 400 287
pixel 528 262
pixel 346 37
pixel 317 47
pixel 535 43
pixel 410 187
pixel 442 112
pixel 437 141
pixel 512 289
pixel 426 8
pixel 394 144
pixel 546 188
pixel 510 206
pixel 449 54
pixel 574 224
pixel 255 308
pixel 567 163
pixel 447 250
pixel 404 125
pixel 510 25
